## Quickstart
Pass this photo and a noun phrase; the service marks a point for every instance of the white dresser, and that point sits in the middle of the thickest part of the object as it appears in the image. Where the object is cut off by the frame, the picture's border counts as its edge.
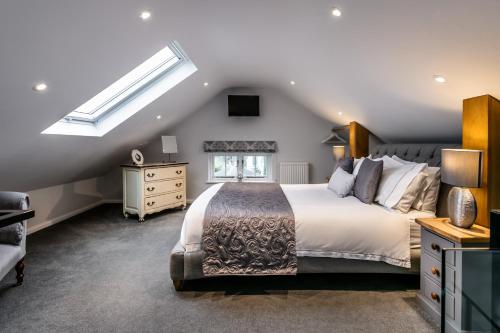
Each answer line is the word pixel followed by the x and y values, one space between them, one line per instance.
pixel 439 234
pixel 151 188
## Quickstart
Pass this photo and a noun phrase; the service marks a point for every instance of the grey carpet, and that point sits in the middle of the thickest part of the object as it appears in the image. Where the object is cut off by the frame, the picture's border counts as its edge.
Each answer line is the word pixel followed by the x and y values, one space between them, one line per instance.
pixel 99 272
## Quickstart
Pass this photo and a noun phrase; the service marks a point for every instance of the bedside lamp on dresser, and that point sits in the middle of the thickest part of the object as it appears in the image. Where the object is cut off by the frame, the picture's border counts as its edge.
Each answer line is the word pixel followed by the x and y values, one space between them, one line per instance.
pixel 462 168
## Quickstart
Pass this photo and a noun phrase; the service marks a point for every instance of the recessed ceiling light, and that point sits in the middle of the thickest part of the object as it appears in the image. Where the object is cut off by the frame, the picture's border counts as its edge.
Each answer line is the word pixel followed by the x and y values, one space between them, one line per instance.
pixel 158 117
pixel 205 84
pixel 340 113
pixel 145 15
pixel 39 87
pixel 439 79
pixel 292 83
pixel 336 12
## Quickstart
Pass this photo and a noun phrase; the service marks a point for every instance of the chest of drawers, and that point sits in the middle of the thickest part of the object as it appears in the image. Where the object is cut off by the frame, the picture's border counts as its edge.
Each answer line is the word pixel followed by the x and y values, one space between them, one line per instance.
pixel 152 188
pixel 438 234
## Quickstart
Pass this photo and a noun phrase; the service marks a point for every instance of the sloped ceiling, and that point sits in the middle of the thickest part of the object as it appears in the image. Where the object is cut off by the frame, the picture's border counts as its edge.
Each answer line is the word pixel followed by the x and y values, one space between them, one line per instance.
pixel 375 64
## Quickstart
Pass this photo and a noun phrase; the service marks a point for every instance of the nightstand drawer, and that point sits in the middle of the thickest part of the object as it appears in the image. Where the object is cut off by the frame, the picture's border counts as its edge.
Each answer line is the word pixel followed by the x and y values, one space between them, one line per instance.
pixel 433 244
pixel 164 173
pixel 432 268
pixel 169 199
pixel 432 292
pixel 173 185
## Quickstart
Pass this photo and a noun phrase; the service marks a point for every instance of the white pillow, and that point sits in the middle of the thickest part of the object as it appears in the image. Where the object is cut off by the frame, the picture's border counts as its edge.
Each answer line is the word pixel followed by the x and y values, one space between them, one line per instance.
pixel 426 200
pixel 396 177
pixel 411 193
pixel 400 160
pixel 341 182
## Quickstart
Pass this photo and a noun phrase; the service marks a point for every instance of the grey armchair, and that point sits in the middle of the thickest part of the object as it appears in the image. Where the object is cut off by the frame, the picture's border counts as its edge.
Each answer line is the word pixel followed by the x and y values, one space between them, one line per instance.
pixel 13 237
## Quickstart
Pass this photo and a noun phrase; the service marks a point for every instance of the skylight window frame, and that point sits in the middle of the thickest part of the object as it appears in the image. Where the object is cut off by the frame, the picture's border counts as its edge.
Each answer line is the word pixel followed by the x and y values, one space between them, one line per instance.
pixel 131 90
pixel 134 102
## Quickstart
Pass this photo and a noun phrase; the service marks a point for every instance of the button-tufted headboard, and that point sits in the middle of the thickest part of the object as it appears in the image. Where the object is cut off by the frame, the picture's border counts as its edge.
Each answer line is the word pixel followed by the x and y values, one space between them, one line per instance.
pixel 429 153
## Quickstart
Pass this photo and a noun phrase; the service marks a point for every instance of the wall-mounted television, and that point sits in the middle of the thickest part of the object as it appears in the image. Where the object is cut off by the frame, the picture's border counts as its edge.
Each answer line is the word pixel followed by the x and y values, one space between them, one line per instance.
pixel 243 106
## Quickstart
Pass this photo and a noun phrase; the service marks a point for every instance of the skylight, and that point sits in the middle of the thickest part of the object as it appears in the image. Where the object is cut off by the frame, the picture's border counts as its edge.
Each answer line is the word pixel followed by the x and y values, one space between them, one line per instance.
pixel 128 95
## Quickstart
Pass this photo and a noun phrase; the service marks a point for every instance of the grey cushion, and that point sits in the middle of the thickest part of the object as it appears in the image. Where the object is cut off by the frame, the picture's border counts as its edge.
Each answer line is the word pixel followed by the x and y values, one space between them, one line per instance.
pixel 12 234
pixel 347 164
pixel 341 182
pixel 14 200
pixel 367 180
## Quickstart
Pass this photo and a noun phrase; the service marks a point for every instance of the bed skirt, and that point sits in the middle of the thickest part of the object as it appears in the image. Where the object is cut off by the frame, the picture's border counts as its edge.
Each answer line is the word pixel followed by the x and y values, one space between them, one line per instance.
pixel 188 265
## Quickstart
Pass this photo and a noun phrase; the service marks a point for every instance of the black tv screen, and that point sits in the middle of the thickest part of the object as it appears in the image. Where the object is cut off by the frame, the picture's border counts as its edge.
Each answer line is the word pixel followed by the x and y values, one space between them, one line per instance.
pixel 243 105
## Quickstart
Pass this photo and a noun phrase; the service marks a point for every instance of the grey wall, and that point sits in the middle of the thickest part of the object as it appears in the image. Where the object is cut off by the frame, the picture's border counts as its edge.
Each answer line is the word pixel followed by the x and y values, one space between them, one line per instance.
pixel 297 131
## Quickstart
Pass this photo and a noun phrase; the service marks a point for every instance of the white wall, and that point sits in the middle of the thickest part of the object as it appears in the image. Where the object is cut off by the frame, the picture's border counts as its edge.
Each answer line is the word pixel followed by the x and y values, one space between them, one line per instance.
pixel 297 131
pixel 57 203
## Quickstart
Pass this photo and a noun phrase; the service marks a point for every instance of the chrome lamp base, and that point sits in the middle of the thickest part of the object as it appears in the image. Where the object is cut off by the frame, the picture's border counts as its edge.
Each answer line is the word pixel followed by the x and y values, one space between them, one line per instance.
pixel 462 207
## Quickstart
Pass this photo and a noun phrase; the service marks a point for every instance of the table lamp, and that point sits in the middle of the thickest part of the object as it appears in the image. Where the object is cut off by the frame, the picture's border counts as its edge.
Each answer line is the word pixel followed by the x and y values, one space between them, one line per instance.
pixel 338 152
pixel 461 168
pixel 169 145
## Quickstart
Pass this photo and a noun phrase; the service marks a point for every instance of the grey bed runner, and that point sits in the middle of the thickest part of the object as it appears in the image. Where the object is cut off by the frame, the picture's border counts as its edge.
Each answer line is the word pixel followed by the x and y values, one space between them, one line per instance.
pixel 249 229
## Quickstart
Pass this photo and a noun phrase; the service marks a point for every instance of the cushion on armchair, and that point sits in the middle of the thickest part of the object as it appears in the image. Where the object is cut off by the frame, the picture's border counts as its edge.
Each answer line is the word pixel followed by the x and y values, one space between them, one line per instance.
pixel 12 234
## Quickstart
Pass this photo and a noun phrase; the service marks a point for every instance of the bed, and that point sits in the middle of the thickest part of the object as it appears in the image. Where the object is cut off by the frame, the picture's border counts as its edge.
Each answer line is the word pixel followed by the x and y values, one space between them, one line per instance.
pixel 332 235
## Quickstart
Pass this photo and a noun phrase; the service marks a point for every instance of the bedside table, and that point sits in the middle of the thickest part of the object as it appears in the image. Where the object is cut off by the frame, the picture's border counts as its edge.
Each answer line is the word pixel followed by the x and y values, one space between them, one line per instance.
pixel 439 233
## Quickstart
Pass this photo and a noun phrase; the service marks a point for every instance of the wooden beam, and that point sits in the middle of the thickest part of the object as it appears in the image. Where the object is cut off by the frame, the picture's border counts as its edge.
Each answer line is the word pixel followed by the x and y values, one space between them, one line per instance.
pixel 480 130
pixel 359 138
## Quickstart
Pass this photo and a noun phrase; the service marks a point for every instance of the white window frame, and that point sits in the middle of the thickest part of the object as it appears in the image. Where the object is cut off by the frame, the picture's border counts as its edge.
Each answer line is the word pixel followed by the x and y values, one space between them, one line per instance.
pixel 270 168
pixel 127 96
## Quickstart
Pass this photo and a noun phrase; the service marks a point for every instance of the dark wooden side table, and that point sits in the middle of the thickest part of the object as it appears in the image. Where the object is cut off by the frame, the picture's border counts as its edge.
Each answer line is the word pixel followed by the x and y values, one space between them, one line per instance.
pixel 8 217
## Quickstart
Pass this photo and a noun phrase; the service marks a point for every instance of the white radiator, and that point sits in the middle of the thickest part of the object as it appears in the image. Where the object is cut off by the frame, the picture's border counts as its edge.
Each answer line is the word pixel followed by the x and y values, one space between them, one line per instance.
pixel 294 172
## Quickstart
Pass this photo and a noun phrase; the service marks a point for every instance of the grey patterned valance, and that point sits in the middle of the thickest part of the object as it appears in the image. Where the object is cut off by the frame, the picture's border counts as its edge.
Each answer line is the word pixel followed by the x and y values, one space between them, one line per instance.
pixel 240 146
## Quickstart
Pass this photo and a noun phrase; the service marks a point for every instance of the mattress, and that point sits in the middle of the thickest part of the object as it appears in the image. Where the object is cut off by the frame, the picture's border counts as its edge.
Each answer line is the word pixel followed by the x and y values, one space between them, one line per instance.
pixel 329 226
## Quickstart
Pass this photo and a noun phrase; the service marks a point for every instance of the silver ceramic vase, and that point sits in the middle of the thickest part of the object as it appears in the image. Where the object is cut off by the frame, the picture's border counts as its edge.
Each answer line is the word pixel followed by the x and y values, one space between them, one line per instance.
pixel 462 207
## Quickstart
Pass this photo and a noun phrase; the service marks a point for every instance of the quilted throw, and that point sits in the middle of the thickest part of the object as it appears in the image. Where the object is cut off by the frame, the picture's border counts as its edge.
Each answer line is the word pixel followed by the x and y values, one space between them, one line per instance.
pixel 249 229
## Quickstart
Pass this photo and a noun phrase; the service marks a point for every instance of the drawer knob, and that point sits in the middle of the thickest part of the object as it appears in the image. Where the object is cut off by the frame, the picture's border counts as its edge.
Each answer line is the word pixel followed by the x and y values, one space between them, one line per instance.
pixel 152 174
pixel 178 172
pixel 436 247
pixel 178 184
pixel 435 271
pixel 150 189
pixel 150 203
pixel 435 297
pixel 178 196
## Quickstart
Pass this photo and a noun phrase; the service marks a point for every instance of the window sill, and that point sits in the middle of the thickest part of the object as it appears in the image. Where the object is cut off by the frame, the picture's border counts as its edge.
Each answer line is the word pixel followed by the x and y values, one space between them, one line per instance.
pixel 217 181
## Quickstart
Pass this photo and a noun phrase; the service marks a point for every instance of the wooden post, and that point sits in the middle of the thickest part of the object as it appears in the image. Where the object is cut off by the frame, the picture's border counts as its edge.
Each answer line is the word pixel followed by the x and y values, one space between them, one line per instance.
pixel 359 138
pixel 481 130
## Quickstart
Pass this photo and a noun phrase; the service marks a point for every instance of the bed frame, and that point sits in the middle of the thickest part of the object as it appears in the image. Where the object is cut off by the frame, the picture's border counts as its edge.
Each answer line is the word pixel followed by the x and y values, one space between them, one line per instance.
pixel 188 266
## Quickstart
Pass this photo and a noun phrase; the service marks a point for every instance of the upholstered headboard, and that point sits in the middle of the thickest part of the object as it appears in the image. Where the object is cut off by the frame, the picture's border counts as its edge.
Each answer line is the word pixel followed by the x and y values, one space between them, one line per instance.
pixel 429 153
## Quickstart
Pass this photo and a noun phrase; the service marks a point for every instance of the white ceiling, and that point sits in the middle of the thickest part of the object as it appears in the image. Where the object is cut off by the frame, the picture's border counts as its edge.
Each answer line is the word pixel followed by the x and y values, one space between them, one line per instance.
pixel 375 64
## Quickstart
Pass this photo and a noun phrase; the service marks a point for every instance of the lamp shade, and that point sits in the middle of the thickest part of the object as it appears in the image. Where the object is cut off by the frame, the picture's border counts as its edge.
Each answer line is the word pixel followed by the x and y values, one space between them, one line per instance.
pixel 338 152
pixel 461 167
pixel 169 144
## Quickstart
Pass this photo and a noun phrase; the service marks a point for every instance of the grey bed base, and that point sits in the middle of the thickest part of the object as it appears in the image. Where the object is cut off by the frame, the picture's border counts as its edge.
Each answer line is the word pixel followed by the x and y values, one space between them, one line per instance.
pixel 187 266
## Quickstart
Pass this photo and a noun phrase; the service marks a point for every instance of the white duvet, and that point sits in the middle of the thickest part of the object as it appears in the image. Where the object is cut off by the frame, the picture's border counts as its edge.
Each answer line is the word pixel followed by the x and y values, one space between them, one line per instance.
pixel 329 226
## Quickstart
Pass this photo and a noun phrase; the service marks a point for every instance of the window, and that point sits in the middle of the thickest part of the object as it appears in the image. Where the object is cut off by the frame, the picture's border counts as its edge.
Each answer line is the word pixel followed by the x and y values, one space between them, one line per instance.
pixel 224 167
pixel 128 95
